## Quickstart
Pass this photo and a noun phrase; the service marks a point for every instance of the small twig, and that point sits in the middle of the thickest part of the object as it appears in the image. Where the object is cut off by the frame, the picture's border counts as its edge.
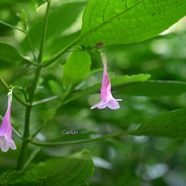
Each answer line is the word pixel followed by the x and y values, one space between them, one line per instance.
pixel 31 46
pixel 11 26
pixel 17 133
pixel 82 141
pixel 44 32
pixel 44 100
pixel 26 133
pixel 58 55
pixel 23 91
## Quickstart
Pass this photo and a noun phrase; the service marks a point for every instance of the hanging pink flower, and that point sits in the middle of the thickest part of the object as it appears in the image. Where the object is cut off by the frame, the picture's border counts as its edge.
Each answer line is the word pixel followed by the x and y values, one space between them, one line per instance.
pixel 107 100
pixel 6 141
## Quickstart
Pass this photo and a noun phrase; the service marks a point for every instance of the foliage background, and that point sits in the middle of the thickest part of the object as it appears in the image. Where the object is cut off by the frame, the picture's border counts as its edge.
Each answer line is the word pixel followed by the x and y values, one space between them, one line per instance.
pixel 126 160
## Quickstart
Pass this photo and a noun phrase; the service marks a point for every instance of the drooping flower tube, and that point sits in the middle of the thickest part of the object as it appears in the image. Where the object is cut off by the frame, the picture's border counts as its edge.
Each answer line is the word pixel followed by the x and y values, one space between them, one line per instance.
pixel 6 141
pixel 107 100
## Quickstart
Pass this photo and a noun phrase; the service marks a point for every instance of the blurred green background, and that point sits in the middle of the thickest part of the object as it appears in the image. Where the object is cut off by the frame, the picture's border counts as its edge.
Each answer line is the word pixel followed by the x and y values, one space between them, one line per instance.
pixel 122 161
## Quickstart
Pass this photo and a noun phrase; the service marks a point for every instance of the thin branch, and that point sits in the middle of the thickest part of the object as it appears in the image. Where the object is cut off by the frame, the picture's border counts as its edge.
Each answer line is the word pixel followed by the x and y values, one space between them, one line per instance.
pixel 37 131
pixel 82 141
pixel 23 91
pixel 11 26
pixel 57 56
pixel 44 100
pixel 17 133
pixel 44 32
pixel 31 46
pixel 26 133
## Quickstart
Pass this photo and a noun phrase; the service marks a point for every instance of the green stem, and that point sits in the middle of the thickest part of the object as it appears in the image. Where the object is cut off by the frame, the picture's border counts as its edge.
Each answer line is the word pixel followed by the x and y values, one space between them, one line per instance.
pixel 83 141
pixel 44 32
pixel 23 91
pixel 44 100
pixel 26 133
pixel 31 46
pixel 64 50
pixel 25 141
pixel 57 56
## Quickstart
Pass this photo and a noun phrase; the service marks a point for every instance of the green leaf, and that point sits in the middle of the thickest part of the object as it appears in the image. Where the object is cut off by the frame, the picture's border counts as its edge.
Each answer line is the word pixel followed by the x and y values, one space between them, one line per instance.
pixel 128 21
pixel 64 171
pixel 55 28
pixel 56 88
pixel 171 124
pixel 76 69
pixel 154 88
pixel 122 80
pixel 48 114
pixel 10 2
pixel 129 79
pixel 9 56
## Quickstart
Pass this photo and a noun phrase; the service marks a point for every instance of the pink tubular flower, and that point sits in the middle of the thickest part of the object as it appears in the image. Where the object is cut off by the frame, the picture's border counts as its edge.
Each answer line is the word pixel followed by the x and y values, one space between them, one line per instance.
pixel 6 129
pixel 107 100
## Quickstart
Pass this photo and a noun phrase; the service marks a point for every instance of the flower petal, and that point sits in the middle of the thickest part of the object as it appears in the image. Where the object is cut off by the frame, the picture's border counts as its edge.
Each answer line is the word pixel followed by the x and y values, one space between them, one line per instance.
pixel 4 144
pixel 6 141
pixel 12 145
pixel 99 105
pixel 113 104
pixel 107 100
pixel 94 106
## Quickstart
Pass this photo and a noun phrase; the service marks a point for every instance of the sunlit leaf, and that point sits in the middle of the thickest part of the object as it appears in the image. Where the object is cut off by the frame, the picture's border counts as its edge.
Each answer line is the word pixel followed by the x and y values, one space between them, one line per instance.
pixel 128 21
